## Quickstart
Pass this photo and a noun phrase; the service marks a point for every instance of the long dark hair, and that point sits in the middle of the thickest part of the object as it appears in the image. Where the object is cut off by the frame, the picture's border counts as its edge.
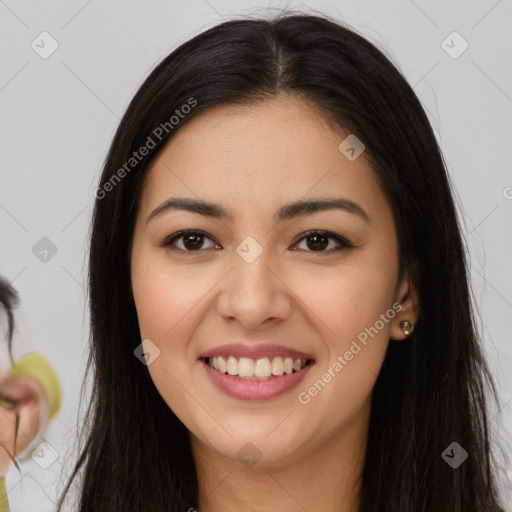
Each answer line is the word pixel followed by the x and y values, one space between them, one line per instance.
pixel 9 299
pixel 432 388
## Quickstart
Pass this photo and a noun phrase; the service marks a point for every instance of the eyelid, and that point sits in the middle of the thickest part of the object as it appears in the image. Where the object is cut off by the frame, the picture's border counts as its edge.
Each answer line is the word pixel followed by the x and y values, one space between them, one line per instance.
pixel 343 243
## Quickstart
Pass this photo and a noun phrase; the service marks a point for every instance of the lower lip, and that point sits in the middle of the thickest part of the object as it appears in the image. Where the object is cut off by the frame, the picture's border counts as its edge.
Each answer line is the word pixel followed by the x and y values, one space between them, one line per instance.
pixel 255 389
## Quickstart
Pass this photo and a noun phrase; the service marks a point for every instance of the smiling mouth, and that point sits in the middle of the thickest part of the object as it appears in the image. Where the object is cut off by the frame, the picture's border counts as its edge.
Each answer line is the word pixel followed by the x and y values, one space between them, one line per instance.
pixel 262 369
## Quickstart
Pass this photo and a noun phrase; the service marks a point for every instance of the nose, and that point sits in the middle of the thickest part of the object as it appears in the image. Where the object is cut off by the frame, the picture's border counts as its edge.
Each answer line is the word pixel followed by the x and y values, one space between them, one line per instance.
pixel 254 294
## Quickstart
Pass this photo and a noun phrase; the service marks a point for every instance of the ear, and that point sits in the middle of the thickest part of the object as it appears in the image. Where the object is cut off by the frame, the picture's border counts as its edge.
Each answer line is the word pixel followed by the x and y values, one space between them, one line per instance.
pixel 408 298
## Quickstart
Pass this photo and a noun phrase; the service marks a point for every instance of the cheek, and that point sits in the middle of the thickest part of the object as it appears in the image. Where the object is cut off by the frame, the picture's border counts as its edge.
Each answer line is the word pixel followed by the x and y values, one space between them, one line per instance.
pixel 164 295
pixel 165 307
pixel 171 302
pixel 353 312
pixel 347 301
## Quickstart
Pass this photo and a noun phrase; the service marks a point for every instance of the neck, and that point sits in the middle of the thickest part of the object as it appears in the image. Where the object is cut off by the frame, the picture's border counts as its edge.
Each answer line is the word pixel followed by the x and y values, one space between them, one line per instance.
pixel 326 476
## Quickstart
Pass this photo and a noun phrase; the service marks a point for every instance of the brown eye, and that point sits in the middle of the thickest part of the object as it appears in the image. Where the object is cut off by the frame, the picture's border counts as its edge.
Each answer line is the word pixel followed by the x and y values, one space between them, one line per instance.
pixel 317 241
pixel 192 241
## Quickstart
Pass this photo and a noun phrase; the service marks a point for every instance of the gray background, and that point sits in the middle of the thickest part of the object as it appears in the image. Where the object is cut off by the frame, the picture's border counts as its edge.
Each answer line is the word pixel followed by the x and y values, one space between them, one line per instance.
pixel 59 115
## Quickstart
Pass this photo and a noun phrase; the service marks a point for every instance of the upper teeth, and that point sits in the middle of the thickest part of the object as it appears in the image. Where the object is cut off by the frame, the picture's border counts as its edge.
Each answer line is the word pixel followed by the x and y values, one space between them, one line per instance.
pixel 246 368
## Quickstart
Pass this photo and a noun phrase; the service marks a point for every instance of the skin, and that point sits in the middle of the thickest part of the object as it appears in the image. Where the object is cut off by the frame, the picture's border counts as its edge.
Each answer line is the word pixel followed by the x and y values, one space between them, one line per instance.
pixel 32 406
pixel 252 160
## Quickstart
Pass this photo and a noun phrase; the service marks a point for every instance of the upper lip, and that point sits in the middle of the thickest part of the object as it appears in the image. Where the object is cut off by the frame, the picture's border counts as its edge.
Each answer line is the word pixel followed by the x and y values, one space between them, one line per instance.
pixel 255 351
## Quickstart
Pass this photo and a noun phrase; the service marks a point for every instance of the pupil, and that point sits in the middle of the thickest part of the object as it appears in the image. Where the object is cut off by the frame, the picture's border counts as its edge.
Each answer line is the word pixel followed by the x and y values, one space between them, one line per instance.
pixel 195 243
pixel 317 245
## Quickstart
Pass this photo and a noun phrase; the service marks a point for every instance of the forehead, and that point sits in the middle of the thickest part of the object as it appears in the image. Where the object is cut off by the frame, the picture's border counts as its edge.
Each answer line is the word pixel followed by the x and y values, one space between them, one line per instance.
pixel 259 156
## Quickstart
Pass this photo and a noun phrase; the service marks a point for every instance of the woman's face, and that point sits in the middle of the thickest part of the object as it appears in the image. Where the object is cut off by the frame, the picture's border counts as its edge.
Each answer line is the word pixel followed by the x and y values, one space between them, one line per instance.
pixel 253 277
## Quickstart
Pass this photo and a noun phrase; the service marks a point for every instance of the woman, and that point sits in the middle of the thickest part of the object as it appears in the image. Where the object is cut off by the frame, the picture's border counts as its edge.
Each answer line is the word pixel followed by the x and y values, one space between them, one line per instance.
pixel 30 397
pixel 280 310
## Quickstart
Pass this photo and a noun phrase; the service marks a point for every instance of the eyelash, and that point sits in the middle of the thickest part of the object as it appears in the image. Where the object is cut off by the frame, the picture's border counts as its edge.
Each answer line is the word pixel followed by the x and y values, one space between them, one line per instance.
pixel 343 242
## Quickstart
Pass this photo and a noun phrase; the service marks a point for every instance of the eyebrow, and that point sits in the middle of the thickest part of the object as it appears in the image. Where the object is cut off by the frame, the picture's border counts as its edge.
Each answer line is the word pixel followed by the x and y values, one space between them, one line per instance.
pixel 286 212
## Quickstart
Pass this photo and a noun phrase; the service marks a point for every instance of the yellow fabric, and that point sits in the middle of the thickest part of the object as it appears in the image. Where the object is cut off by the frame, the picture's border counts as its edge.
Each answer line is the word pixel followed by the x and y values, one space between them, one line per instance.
pixel 4 502
pixel 35 365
